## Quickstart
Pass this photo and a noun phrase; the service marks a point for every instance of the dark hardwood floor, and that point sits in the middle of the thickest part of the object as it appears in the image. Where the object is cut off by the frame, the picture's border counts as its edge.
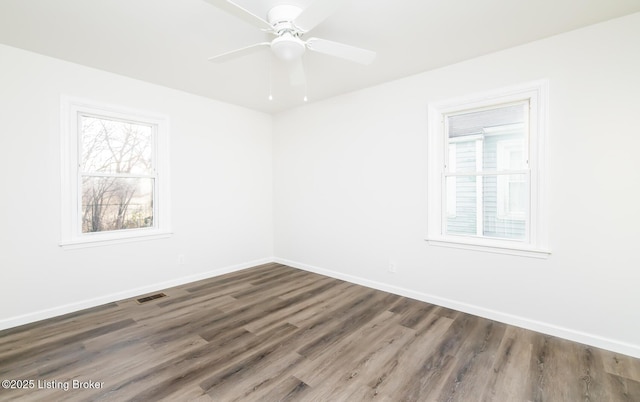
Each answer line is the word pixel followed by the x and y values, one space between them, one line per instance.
pixel 275 333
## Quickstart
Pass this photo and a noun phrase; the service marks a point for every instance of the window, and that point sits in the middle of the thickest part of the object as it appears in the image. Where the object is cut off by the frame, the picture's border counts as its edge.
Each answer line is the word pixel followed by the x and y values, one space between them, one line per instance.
pixel 114 174
pixel 487 167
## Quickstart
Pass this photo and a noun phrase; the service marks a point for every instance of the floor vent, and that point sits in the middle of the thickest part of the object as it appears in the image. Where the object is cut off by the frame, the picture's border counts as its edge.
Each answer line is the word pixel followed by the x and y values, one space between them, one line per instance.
pixel 149 298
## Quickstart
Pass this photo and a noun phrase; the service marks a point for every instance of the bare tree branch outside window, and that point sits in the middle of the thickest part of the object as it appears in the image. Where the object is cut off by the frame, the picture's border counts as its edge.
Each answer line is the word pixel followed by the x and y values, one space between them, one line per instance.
pixel 117 174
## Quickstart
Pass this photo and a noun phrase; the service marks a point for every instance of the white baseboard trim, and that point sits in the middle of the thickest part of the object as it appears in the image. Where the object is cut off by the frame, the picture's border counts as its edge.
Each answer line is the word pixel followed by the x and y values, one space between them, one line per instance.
pixel 113 297
pixel 522 322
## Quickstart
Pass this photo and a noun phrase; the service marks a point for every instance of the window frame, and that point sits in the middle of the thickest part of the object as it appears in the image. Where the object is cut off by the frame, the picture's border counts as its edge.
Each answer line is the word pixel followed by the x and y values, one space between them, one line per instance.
pixel 71 177
pixel 535 243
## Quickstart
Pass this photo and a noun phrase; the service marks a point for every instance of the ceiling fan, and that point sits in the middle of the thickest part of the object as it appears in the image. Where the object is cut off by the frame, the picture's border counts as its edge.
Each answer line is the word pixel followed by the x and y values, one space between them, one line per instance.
pixel 289 24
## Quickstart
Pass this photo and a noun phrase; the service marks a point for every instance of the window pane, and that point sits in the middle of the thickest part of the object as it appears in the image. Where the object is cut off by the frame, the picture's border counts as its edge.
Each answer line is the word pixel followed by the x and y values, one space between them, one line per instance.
pixel 502 200
pixel 509 153
pixel 110 146
pixel 483 121
pixel 489 140
pixel 463 156
pixel 112 203
pixel 505 206
pixel 463 217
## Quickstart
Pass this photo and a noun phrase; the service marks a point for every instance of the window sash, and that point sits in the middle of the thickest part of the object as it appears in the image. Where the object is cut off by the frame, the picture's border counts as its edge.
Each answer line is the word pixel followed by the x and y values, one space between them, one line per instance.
pixel 480 204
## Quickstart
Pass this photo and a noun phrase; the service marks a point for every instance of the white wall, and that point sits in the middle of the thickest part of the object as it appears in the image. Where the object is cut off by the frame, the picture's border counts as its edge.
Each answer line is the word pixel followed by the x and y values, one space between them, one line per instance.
pixel 350 190
pixel 221 191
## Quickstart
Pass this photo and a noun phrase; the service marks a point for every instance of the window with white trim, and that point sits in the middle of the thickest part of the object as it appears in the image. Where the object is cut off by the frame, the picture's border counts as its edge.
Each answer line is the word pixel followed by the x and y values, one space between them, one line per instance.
pixel 487 170
pixel 114 174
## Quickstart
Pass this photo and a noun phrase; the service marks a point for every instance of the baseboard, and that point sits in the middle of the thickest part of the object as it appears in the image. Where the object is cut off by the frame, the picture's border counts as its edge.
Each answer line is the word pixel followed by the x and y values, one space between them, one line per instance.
pixel 72 307
pixel 522 322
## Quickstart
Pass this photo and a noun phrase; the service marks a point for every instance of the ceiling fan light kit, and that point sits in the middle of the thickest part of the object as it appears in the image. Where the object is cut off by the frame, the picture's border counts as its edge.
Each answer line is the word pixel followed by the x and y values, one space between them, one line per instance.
pixel 288 47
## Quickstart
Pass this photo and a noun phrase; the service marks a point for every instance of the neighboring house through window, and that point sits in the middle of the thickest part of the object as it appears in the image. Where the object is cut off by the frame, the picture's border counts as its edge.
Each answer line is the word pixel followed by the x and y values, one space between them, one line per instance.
pixel 487 169
pixel 115 176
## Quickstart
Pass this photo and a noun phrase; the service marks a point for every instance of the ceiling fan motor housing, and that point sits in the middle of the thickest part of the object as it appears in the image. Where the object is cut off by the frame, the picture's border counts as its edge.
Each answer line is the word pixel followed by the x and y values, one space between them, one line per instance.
pixel 283 13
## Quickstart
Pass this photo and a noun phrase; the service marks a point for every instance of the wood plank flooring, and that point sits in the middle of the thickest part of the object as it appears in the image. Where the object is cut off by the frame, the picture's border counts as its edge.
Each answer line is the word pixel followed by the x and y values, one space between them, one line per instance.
pixel 275 333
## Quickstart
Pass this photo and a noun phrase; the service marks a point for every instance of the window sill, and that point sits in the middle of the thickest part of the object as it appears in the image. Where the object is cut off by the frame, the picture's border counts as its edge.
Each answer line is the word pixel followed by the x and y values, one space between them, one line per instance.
pixel 490 247
pixel 110 239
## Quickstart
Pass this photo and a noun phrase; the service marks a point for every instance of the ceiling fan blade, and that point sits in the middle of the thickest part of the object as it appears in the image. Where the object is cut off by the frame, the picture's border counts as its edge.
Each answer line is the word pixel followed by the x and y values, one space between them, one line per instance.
pixel 242 13
pixel 347 52
pixel 234 54
pixel 317 12
pixel 296 73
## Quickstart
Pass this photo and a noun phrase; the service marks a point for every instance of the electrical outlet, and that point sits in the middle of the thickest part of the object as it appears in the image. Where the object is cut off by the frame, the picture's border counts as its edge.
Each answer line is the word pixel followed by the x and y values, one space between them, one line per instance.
pixel 392 267
pixel 180 259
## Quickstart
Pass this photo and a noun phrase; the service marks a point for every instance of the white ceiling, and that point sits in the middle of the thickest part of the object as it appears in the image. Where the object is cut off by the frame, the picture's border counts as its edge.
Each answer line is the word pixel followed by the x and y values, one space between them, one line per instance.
pixel 167 42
